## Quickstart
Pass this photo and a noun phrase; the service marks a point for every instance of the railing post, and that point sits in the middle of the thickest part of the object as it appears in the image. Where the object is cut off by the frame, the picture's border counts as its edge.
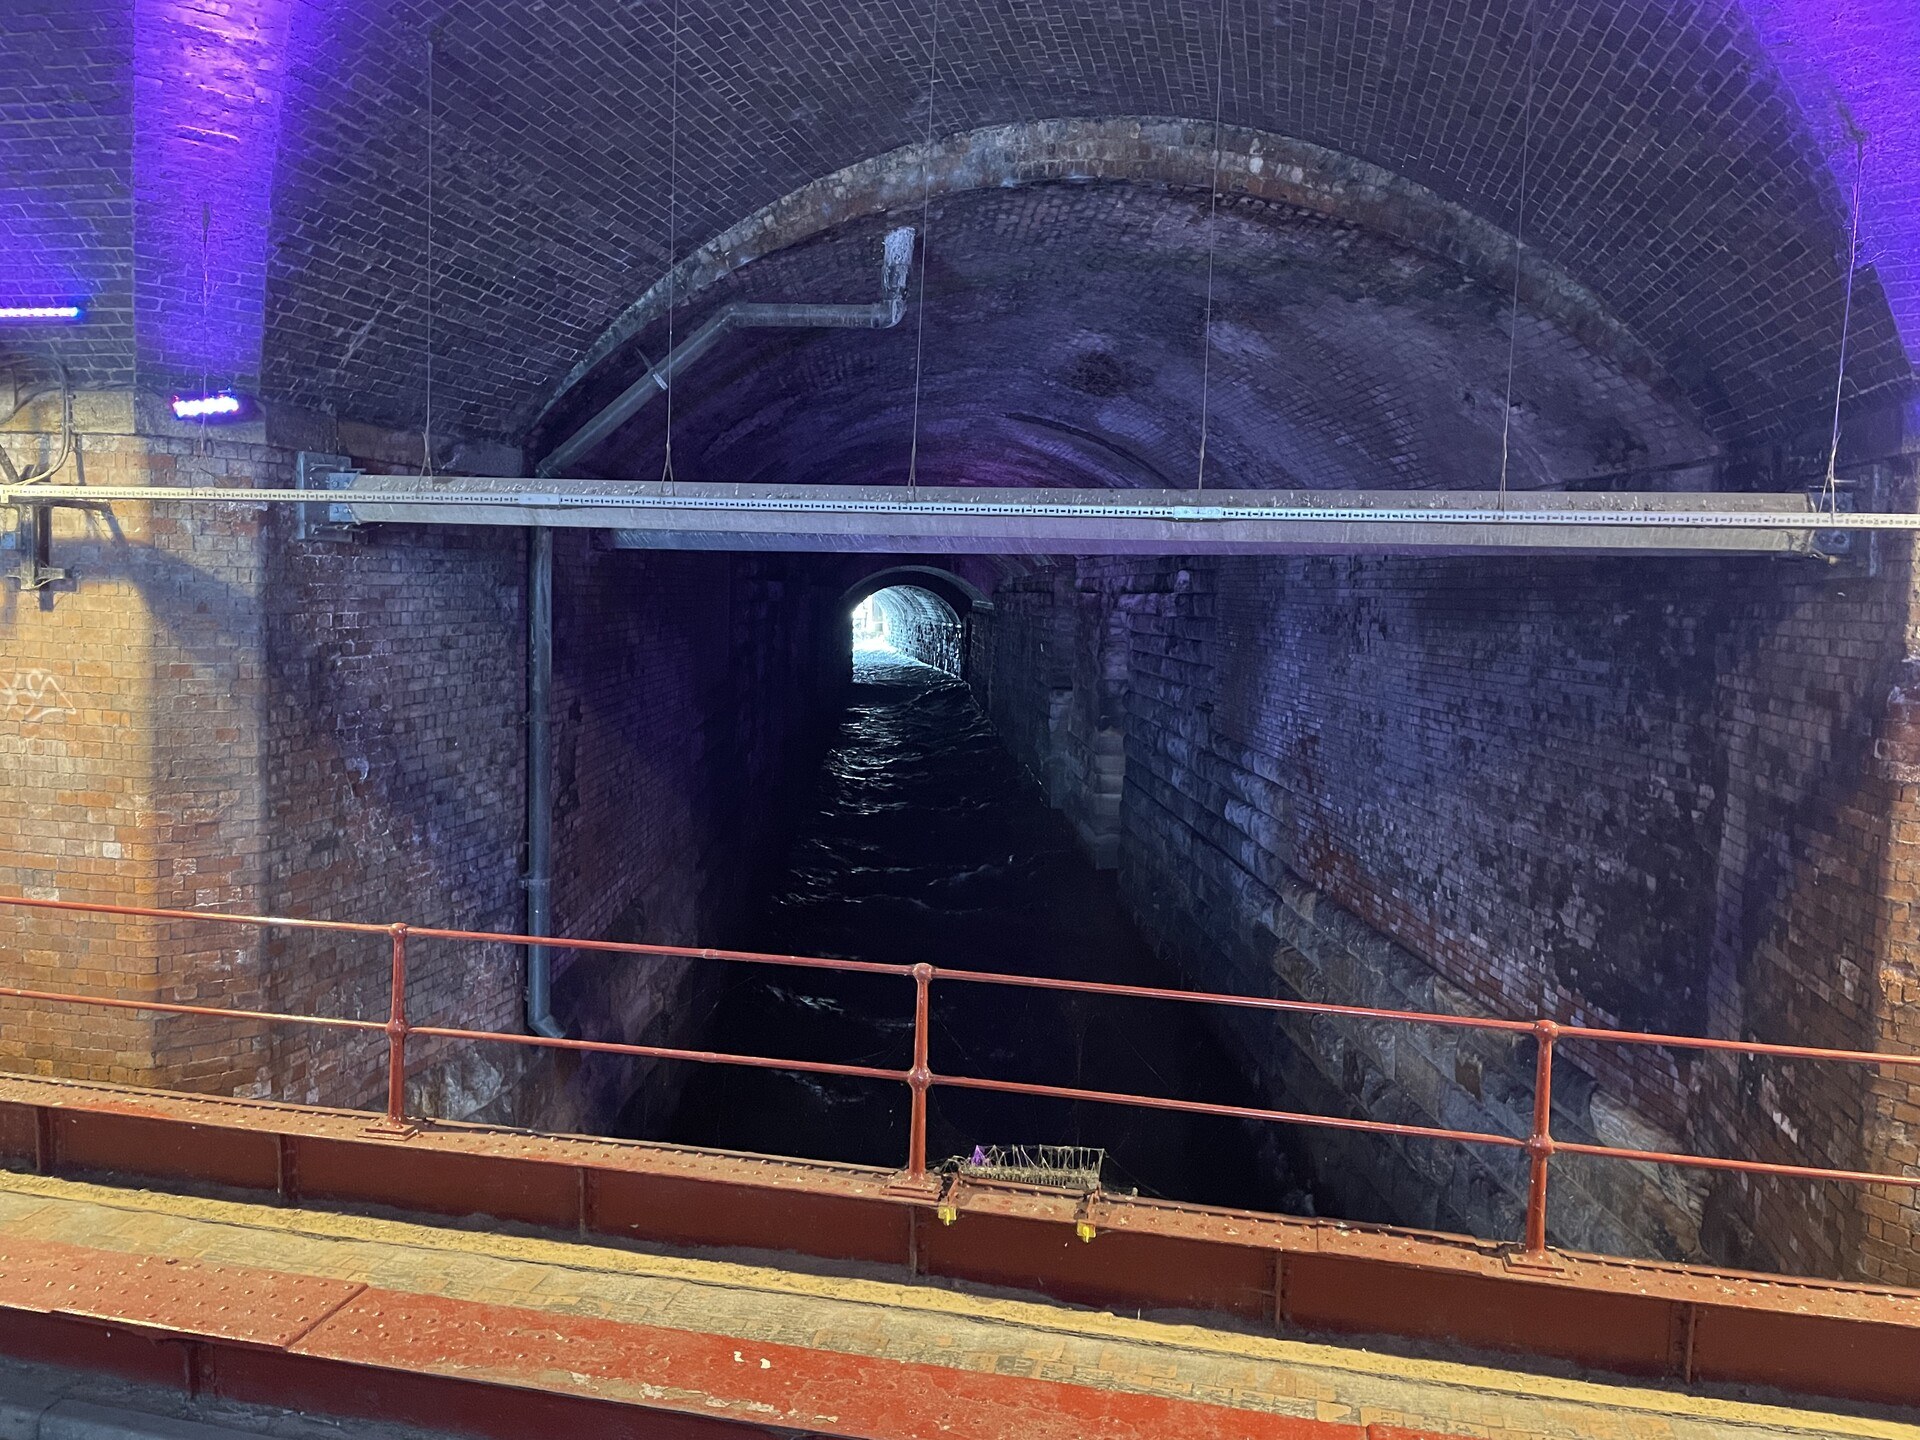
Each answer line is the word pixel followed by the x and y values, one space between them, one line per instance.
pixel 397 1033
pixel 920 1077
pixel 1540 1143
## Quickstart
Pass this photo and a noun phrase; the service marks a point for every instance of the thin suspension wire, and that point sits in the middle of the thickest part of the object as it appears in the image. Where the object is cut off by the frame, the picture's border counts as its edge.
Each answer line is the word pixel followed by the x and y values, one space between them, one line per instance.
pixel 926 212
pixel 1519 248
pixel 1213 227
pixel 673 234
pixel 1832 493
pixel 206 290
pixel 426 426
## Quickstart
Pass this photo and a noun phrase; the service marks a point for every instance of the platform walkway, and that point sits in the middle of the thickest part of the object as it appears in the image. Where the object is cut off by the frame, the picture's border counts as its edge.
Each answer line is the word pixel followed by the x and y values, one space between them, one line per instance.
pixel 673 1342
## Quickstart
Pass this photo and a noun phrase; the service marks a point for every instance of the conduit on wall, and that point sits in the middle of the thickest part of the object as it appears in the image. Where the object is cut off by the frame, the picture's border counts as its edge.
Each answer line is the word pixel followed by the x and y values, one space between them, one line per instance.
pixel 540 780
pixel 897 261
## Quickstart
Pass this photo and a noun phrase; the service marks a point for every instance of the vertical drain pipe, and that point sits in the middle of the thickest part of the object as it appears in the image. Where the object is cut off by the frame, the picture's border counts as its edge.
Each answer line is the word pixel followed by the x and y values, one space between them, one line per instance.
pixel 539 882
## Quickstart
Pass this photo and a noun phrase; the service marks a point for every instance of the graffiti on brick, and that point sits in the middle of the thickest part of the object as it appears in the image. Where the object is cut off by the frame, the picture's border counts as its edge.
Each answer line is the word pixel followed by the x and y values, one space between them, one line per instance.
pixel 37 696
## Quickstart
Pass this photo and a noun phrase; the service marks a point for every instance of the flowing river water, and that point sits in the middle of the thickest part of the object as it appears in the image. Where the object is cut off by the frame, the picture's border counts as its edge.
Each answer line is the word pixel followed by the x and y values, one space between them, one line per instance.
pixel 921 839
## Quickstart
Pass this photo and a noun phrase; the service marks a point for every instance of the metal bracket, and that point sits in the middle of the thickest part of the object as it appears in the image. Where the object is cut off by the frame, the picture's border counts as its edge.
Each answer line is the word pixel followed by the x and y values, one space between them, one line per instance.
pixel 1833 544
pixel 384 1129
pixel 33 536
pixel 1537 1262
pixel 914 1187
pixel 320 520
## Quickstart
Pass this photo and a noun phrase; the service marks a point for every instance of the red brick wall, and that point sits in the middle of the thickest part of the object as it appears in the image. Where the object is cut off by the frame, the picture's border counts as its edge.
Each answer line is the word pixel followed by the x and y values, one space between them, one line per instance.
pixel 396 788
pixel 684 687
pixel 222 716
pixel 129 739
pixel 393 788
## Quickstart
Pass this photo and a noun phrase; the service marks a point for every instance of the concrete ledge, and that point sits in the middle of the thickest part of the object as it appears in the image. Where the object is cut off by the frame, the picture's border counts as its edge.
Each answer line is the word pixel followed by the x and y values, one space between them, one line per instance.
pixel 1669 1321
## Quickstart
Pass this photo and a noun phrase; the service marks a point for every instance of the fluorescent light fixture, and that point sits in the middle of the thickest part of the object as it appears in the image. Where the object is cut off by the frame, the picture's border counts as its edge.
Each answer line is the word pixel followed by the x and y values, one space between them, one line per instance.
pixel 40 312
pixel 206 407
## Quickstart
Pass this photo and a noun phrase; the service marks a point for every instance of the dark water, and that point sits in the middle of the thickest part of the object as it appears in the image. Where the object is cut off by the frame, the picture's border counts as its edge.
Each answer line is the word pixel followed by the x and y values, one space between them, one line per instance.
pixel 921 839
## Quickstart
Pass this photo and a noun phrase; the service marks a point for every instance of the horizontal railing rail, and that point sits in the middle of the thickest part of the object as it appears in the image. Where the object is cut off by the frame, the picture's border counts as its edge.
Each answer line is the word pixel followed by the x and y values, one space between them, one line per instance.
pixel 1539 1145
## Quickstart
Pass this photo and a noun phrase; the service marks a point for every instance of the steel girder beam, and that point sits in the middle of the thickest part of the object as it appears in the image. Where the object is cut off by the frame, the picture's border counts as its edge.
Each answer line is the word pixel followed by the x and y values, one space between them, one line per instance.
pixel 894 519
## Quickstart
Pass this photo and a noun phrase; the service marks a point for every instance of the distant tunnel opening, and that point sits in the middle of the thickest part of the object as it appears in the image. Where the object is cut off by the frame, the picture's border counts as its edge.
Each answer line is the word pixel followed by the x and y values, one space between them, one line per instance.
pixel 908 622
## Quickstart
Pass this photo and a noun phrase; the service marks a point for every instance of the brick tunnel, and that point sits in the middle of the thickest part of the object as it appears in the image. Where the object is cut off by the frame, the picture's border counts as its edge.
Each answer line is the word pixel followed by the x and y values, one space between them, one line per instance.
pixel 654 363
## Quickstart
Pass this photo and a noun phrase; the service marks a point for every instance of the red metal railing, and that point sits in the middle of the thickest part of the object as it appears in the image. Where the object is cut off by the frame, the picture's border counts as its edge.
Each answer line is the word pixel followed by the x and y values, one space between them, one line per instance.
pixel 1539 1146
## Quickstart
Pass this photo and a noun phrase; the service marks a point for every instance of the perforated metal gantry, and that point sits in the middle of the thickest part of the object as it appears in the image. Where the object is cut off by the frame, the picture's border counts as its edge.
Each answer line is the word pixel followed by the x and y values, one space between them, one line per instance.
pixel 894 519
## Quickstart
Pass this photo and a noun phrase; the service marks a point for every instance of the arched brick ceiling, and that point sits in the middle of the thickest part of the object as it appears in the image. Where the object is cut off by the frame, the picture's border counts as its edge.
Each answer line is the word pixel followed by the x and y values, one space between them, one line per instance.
pixel 1670 173
pixel 1675 174
pixel 1063 346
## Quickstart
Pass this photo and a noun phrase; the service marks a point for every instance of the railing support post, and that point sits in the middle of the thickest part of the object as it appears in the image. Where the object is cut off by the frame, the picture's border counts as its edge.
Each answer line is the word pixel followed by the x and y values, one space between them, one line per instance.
pixel 920 1077
pixel 1540 1143
pixel 397 1030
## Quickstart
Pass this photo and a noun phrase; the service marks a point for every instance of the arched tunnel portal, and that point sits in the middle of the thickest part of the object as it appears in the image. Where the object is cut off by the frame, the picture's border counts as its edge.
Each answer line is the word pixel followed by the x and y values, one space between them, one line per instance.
pixel 924 612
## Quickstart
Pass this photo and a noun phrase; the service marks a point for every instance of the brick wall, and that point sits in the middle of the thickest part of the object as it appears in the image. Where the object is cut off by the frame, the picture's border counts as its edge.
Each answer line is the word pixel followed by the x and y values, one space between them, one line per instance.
pixel 398 791
pixel 220 715
pixel 685 686
pixel 1631 793
pixel 66 180
pixel 129 735
pixel 394 790
pixel 540 251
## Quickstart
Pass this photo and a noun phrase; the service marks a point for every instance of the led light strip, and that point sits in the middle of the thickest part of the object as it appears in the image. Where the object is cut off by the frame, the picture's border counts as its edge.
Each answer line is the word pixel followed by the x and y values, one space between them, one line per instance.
pixel 40 312
pixel 205 407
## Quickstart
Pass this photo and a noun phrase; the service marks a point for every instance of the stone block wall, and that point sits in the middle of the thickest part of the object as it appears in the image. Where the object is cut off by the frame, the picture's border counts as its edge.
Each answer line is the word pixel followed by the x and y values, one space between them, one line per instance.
pixel 1629 793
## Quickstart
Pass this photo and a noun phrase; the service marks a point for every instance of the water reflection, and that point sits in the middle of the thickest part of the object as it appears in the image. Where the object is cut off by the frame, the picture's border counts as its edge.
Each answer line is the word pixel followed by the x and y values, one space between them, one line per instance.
pixel 921 839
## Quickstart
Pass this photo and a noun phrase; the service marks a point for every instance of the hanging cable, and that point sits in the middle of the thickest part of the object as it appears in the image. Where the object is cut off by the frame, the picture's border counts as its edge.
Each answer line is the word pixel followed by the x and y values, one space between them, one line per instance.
pixel 426 425
pixel 673 233
pixel 926 211
pixel 1519 249
pixel 206 288
pixel 1831 495
pixel 1213 226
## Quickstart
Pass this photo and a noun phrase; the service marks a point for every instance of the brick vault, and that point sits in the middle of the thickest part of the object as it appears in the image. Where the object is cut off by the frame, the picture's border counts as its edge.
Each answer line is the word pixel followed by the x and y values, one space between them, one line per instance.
pixel 1662 793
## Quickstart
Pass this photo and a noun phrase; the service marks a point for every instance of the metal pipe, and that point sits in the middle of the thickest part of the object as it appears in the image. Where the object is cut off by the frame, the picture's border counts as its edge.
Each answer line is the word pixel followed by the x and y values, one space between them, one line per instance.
pixel 1540 1142
pixel 397 1033
pixel 920 1077
pixel 924 974
pixel 1242 1112
pixel 884 315
pixel 540 781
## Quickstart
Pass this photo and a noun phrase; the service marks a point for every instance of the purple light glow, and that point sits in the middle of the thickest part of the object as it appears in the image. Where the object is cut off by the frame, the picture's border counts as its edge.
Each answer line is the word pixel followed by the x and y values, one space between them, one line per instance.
pixel 208 82
pixel 1857 58
pixel 18 313
pixel 207 407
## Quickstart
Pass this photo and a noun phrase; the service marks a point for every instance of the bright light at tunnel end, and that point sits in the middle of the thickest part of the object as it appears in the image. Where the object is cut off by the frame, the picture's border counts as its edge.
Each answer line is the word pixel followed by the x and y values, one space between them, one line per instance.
pixel 870 629
pixel 222 406
pixel 28 314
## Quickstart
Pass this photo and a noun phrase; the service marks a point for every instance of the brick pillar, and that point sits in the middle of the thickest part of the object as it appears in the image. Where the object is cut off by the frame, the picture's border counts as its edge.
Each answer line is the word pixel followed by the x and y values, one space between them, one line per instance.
pixel 1892 1123
pixel 1890 1231
pixel 130 720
